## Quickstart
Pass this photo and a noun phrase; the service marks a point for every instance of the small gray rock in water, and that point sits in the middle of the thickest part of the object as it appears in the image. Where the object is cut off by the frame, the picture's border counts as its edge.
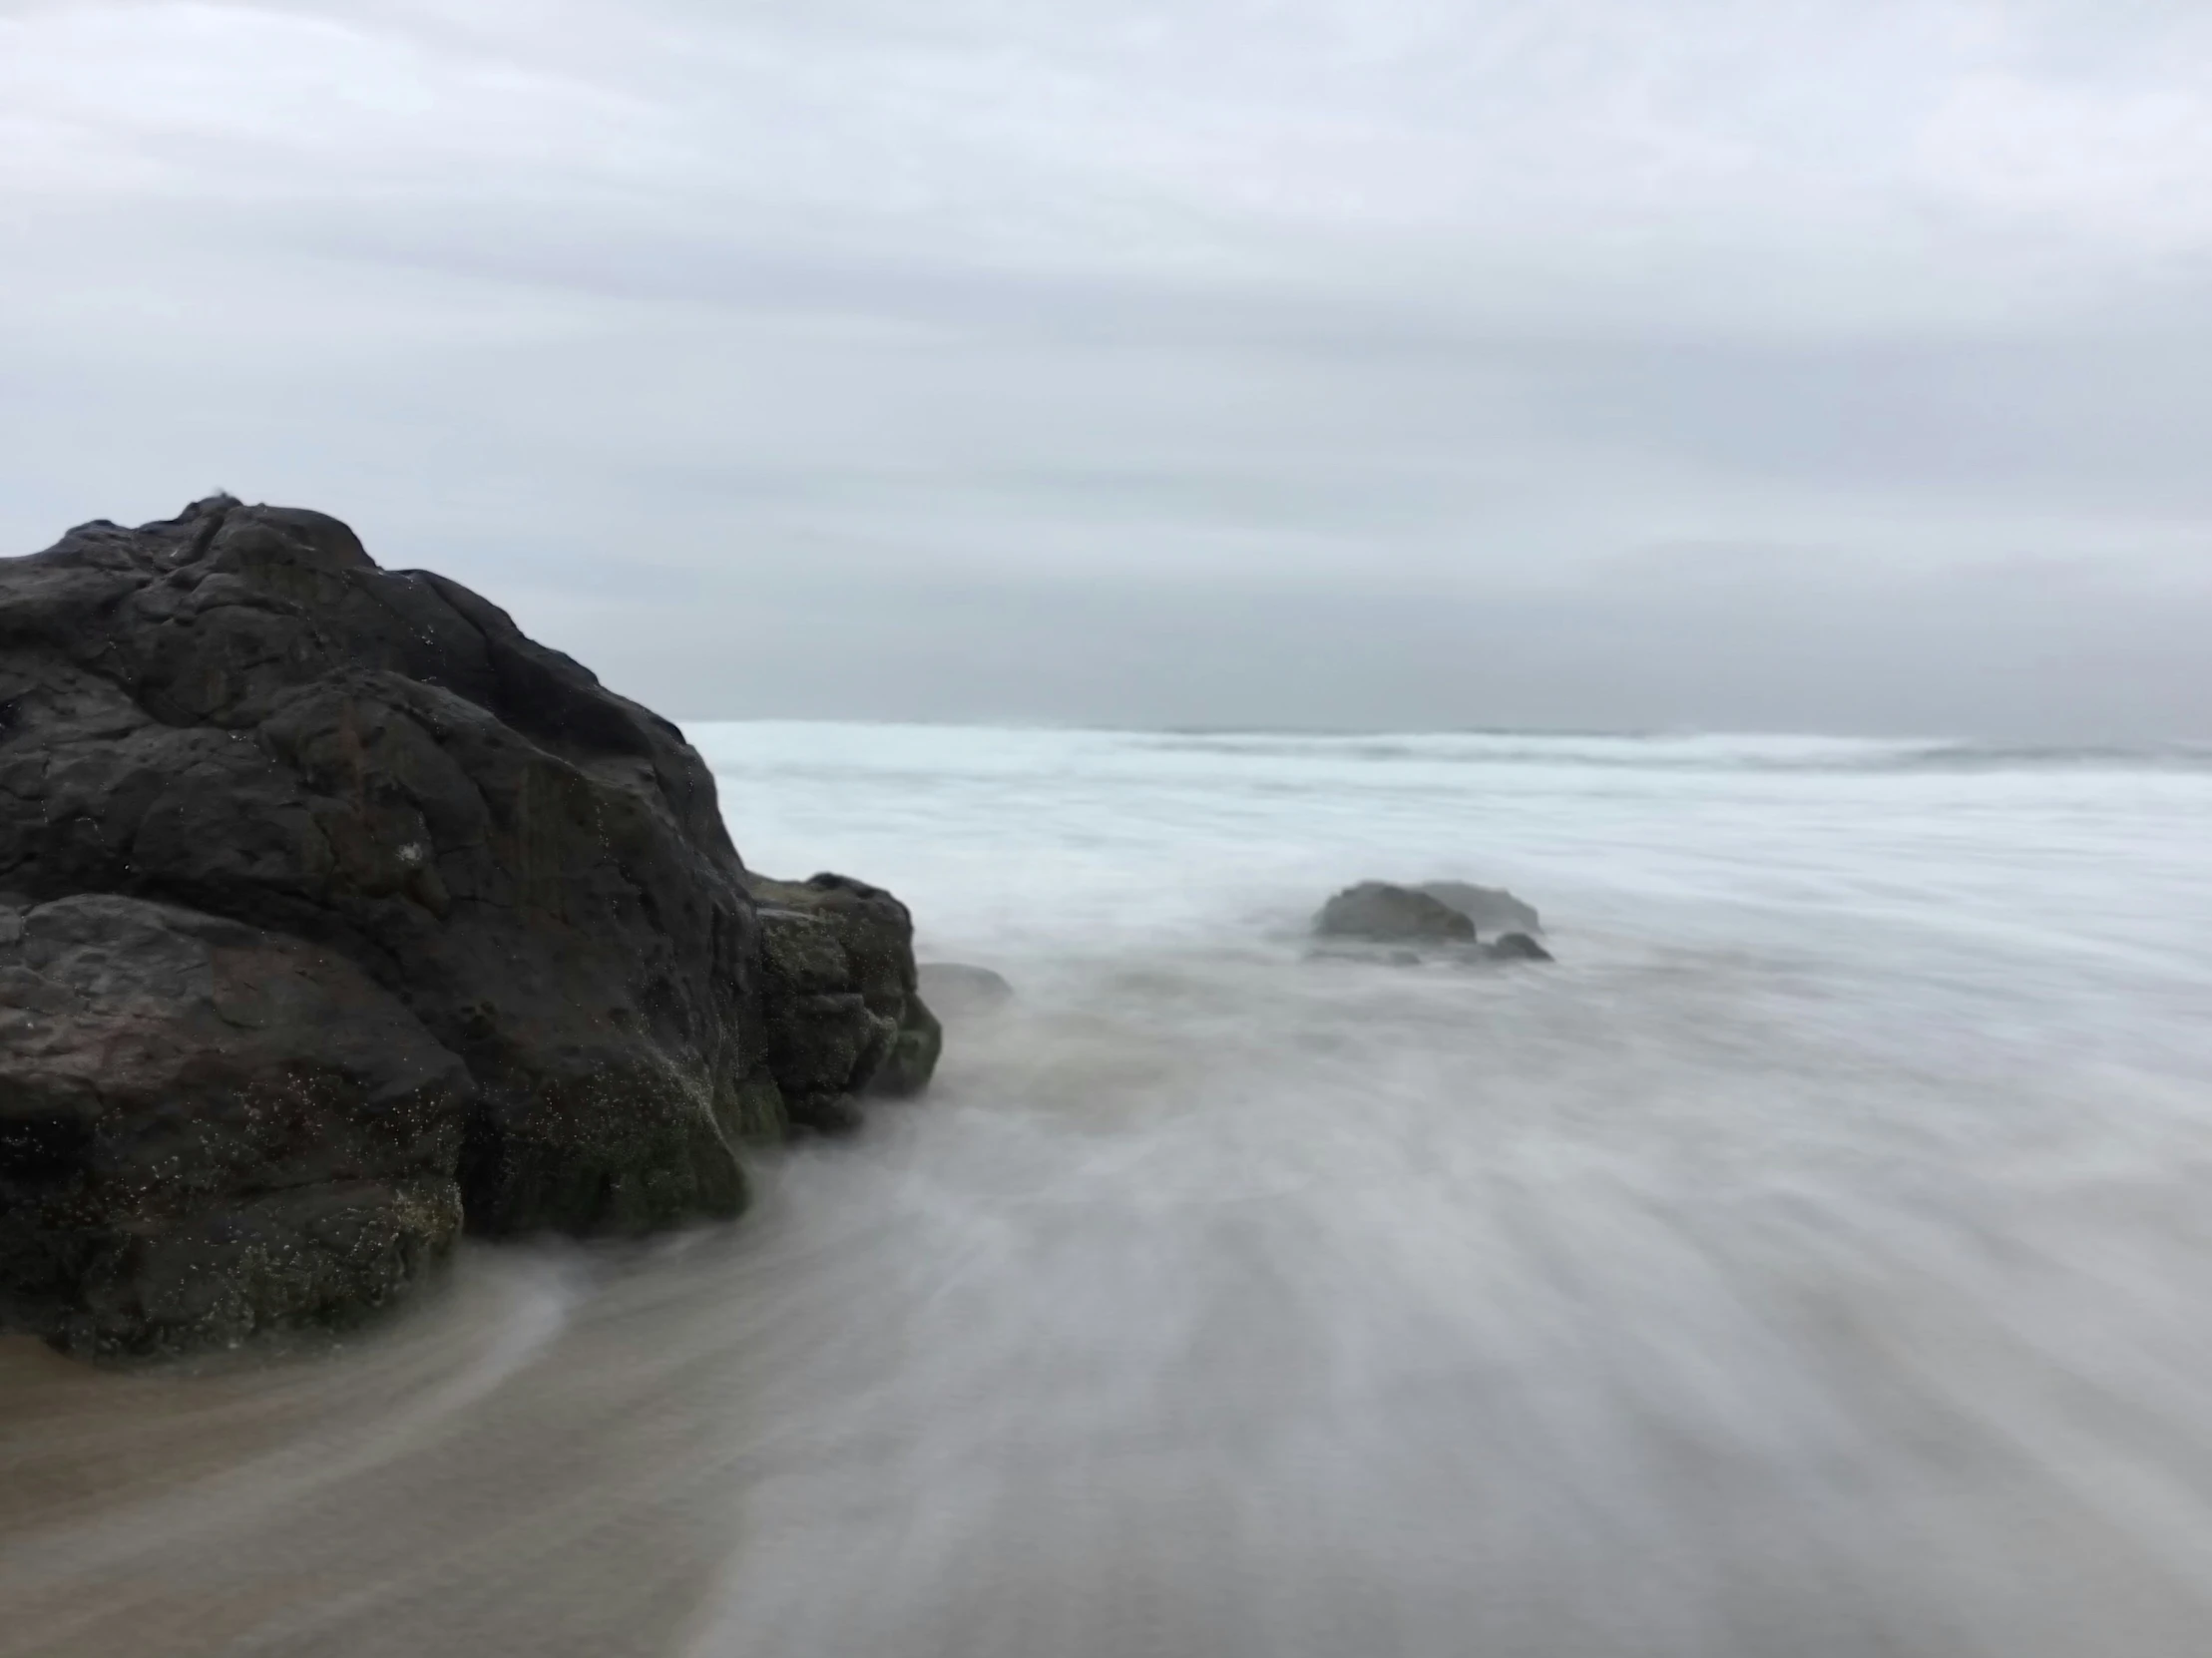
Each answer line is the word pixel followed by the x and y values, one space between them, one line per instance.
pixel 1391 914
pixel 1491 908
pixel 1517 946
pixel 957 989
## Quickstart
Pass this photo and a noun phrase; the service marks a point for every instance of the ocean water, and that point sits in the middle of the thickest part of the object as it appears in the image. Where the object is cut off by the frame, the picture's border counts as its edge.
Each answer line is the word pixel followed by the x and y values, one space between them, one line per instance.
pixel 1817 1260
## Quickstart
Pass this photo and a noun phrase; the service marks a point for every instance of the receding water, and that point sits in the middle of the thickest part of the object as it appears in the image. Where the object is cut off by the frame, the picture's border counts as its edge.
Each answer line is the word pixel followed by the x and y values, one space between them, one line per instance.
pixel 1817 1261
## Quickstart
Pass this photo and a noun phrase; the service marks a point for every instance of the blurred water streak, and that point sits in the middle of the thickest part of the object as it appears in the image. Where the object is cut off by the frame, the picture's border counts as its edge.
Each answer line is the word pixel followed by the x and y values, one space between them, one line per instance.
pixel 1813 1263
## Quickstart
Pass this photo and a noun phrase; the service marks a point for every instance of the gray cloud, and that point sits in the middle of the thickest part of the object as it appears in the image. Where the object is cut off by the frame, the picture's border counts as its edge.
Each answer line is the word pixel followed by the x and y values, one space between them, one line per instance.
pixel 1319 361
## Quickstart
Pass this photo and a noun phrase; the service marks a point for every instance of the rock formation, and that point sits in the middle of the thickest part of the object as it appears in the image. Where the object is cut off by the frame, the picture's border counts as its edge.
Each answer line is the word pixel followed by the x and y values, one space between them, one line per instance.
pixel 843 1010
pixel 516 957
pixel 1446 914
pixel 1379 912
pixel 206 1127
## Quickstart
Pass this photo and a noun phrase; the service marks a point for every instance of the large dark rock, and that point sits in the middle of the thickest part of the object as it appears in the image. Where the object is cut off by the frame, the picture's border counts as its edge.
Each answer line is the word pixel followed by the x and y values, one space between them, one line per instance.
pixel 240 713
pixel 206 1129
pixel 1379 912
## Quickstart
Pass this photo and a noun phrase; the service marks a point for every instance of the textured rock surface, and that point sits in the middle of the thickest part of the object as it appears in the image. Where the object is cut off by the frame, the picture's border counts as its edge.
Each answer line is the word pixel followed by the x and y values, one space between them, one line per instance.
pixel 237 712
pixel 1381 913
pixel 845 1015
pixel 205 1130
pixel 1491 908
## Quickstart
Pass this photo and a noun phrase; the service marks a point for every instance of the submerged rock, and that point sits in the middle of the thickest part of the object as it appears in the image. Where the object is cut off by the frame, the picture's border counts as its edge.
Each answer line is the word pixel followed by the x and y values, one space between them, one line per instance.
pixel 1377 912
pixel 960 991
pixel 1491 908
pixel 237 713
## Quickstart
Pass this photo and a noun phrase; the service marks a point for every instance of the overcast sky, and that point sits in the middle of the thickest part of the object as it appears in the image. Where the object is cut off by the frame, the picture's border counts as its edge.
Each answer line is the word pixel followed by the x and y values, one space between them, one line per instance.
pixel 1821 364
